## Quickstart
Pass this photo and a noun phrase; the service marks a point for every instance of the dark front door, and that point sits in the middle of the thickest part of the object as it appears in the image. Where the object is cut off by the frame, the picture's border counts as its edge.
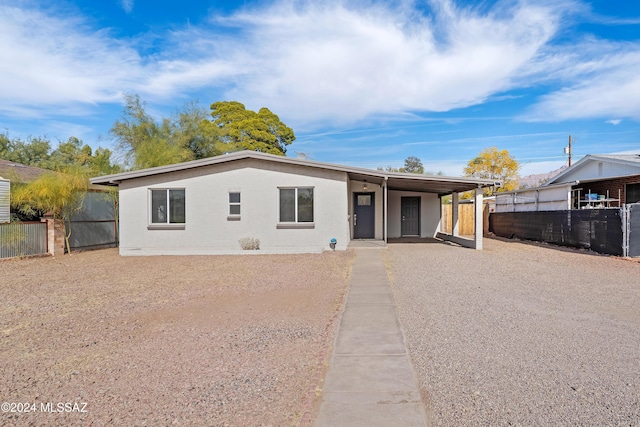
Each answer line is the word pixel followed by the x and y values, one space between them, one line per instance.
pixel 364 214
pixel 410 210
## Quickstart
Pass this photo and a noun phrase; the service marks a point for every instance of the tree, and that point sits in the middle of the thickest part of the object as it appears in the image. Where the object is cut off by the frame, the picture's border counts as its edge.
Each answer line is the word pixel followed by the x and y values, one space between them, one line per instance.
pixel 193 130
pixel 60 194
pixel 33 152
pixel 495 164
pixel 145 142
pixel 242 129
pixel 413 164
pixel 36 151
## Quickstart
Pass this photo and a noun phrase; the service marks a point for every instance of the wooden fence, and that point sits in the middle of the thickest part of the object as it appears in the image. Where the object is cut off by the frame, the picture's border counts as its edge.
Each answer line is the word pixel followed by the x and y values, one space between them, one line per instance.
pixel 466 219
pixel 466 224
pixel 22 239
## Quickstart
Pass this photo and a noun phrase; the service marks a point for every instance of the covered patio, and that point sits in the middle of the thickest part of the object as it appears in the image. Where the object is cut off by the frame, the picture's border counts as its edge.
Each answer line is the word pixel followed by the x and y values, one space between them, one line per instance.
pixel 391 207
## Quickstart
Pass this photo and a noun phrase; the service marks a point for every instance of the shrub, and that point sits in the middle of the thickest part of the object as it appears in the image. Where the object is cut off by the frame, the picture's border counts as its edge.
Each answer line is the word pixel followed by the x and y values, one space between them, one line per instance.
pixel 249 243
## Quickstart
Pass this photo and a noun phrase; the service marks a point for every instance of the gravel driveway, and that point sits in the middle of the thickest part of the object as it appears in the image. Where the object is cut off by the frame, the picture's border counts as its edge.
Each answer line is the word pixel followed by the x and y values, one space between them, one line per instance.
pixel 220 340
pixel 521 334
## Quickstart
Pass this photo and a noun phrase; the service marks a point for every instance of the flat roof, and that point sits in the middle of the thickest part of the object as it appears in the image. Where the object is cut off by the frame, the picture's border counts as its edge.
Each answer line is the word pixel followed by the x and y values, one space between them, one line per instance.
pixel 395 180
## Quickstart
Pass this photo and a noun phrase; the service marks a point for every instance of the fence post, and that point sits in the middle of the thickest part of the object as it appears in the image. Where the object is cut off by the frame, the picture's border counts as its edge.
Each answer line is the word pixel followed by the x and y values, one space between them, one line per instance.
pixel 625 211
pixel 55 235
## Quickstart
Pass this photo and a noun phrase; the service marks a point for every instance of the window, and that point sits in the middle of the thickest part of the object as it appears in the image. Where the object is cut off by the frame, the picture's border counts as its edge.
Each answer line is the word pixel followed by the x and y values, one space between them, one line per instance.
pixel 168 206
pixel 364 199
pixel 296 204
pixel 633 193
pixel 234 205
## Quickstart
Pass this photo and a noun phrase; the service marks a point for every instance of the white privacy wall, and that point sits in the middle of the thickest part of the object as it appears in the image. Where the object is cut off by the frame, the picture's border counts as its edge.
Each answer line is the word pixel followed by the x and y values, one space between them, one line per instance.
pixel 208 229
pixel 555 198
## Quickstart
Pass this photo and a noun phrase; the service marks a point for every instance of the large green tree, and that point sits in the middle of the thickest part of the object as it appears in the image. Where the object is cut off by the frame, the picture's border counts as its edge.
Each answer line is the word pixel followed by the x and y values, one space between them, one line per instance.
pixel 242 129
pixel 195 133
pixel 145 142
pixel 495 164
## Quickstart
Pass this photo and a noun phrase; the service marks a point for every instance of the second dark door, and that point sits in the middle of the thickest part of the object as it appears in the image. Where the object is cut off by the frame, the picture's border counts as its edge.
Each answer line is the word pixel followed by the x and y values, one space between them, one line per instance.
pixel 410 210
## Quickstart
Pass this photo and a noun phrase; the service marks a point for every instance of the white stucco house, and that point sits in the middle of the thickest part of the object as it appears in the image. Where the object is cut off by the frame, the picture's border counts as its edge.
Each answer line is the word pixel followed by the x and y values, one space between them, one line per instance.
pixel 290 205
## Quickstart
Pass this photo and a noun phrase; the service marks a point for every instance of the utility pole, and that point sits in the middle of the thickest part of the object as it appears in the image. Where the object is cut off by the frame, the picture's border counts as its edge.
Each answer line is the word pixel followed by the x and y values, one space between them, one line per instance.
pixel 567 150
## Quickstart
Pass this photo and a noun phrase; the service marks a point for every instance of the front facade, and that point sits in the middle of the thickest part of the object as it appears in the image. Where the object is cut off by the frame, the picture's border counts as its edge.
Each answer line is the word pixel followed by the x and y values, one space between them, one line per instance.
pixel 229 203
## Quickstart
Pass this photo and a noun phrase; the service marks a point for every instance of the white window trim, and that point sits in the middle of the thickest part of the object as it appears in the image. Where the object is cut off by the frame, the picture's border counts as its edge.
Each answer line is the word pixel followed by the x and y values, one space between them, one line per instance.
pixel 163 225
pixel 296 224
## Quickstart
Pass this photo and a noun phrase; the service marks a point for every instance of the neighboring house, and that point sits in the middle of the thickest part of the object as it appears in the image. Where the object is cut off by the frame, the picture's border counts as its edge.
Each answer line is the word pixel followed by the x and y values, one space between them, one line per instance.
pixel 595 181
pixel 592 204
pixel 290 205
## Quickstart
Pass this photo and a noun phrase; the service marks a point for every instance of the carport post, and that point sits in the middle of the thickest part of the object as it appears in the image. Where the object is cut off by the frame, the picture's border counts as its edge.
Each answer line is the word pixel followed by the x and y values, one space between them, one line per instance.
pixel 478 212
pixel 386 208
pixel 455 229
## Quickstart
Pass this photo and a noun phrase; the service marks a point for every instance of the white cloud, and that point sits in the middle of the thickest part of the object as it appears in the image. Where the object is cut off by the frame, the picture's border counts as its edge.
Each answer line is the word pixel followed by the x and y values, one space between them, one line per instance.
pixel 601 79
pixel 49 62
pixel 341 64
pixel 614 122
pixel 127 5
pixel 334 62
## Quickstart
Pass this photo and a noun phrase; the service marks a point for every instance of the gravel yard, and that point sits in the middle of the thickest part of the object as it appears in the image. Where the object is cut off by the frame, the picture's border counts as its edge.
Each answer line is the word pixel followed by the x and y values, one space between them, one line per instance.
pixel 520 334
pixel 220 340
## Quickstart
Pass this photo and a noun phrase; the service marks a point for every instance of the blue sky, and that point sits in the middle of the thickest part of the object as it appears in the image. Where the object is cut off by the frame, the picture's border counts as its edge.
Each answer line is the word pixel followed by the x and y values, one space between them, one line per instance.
pixel 362 82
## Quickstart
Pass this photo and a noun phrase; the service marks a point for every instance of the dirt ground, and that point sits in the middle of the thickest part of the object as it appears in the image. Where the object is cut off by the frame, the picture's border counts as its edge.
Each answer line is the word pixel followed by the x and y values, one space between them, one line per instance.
pixel 520 333
pixel 98 339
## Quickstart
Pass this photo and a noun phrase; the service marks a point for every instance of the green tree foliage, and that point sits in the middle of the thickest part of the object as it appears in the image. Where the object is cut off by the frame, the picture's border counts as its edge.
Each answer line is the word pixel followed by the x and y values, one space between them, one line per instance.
pixel 37 152
pixel 495 164
pixel 193 130
pixel 194 133
pixel 60 194
pixel 412 164
pixel 145 142
pixel 242 129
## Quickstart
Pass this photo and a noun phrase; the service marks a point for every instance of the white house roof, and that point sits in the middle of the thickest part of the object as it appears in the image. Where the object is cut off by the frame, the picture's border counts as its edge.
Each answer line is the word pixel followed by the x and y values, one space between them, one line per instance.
pixel 597 167
pixel 395 181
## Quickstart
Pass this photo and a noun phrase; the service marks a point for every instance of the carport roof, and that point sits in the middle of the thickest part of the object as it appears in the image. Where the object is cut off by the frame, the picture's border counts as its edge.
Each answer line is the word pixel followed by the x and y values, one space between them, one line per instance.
pixel 395 181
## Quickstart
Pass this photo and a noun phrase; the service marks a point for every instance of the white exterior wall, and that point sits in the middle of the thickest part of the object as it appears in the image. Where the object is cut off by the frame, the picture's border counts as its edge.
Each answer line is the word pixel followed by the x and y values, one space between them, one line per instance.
pixel 4 200
pixel 538 199
pixel 429 213
pixel 207 228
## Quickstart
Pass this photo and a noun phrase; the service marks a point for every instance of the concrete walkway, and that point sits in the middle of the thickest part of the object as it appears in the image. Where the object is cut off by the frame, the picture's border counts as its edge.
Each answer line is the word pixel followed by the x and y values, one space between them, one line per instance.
pixel 370 381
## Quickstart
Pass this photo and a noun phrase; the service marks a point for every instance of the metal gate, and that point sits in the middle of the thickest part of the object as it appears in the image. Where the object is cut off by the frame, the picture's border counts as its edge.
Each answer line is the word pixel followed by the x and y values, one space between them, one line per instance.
pixel 631 228
pixel 23 238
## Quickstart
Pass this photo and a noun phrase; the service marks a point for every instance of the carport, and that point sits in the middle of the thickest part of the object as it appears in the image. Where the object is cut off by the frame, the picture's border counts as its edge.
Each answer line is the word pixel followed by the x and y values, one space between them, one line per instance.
pixel 385 205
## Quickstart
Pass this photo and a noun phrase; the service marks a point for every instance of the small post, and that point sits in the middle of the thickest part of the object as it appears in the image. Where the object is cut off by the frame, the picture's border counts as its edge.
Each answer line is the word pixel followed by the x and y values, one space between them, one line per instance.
pixel 55 235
